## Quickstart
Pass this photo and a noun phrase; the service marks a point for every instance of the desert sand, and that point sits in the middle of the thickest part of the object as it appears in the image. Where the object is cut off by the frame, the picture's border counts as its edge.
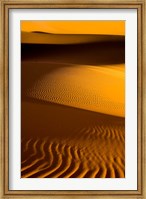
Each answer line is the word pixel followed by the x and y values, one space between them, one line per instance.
pixel 61 141
pixel 92 27
pixel 73 109
pixel 48 38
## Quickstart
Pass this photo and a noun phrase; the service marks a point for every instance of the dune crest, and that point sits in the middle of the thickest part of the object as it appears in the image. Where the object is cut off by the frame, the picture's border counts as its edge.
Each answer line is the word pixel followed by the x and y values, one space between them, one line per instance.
pixel 47 38
pixel 85 87
pixel 75 27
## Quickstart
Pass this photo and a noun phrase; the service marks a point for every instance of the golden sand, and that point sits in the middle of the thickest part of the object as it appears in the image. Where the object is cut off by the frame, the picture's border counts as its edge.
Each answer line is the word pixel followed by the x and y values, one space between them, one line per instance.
pixel 60 141
pixel 73 100
pixel 85 87
pixel 76 27
pixel 46 38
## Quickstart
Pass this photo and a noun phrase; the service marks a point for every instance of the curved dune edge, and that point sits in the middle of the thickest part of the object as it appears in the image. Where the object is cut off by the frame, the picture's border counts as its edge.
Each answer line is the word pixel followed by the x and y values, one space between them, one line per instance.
pixel 99 89
pixel 46 38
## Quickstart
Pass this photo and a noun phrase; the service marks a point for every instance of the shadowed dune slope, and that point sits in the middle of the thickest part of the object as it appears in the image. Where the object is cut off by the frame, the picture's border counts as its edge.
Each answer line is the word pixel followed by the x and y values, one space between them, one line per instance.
pixel 98 53
pixel 46 38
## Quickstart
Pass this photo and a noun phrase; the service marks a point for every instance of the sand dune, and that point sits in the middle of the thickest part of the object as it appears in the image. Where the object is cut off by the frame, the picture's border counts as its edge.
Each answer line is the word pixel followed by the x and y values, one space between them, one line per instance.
pixel 73 105
pixel 80 86
pixel 72 142
pixel 109 27
pixel 96 54
pixel 46 38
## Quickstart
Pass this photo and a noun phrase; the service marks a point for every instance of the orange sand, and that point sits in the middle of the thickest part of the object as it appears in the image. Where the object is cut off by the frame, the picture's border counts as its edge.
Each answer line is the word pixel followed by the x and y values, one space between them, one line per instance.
pixel 84 87
pixel 73 100
pixel 47 38
pixel 60 141
pixel 75 27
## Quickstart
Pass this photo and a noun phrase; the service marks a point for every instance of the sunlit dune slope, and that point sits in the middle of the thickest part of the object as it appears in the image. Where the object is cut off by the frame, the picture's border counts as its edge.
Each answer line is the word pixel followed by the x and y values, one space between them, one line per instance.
pixel 46 38
pixel 64 142
pixel 99 89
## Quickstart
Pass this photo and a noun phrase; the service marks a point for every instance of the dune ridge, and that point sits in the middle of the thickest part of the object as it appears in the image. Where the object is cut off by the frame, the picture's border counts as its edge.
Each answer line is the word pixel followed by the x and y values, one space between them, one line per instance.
pixel 75 27
pixel 47 38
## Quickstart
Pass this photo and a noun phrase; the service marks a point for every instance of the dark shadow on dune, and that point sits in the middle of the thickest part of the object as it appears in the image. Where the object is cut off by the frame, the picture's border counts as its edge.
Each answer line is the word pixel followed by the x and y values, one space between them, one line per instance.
pixel 40 32
pixel 95 36
pixel 48 119
pixel 34 56
pixel 99 53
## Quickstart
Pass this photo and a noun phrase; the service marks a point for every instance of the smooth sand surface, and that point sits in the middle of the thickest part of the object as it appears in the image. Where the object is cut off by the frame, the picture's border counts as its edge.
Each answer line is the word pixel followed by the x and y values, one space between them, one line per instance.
pixel 92 27
pixel 72 110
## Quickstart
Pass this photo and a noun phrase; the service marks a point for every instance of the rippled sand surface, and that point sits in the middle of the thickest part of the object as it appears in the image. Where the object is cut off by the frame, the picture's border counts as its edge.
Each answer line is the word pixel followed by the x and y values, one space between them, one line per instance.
pixel 62 141
pixel 73 110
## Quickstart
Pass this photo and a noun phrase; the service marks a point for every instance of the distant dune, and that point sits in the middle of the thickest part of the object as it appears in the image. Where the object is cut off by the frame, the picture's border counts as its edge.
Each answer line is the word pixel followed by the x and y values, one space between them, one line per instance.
pixel 47 38
pixel 72 106
pixel 92 27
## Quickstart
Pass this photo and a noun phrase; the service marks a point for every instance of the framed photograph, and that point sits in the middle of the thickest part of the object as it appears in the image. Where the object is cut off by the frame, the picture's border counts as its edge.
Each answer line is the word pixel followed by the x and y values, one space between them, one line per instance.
pixel 72 99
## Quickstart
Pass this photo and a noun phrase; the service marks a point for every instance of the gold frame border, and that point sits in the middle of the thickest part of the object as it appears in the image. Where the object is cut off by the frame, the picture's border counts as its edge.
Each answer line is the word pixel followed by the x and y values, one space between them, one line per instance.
pixel 5 5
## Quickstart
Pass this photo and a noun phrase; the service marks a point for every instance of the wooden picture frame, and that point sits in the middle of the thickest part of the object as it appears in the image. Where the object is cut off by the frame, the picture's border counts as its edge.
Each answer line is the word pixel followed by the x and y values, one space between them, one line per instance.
pixel 4 106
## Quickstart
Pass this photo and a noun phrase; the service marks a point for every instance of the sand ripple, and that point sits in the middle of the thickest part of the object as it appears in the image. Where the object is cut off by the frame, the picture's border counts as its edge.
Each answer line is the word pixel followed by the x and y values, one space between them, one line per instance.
pixel 76 158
